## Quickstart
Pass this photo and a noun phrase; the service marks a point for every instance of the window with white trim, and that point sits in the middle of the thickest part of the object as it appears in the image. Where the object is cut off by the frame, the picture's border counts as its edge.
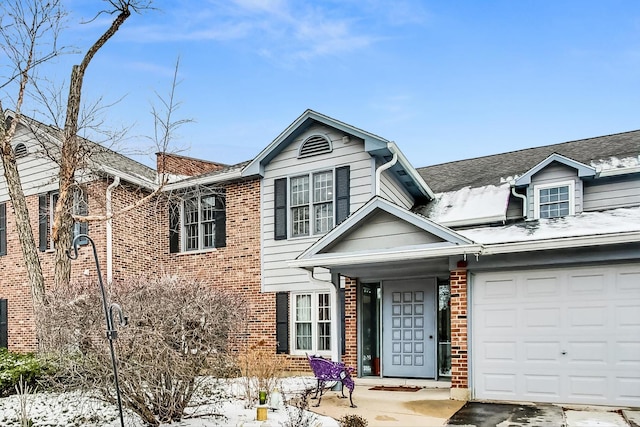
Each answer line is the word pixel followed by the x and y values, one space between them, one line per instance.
pixel 554 200
pixel 311 203
pixel 312 322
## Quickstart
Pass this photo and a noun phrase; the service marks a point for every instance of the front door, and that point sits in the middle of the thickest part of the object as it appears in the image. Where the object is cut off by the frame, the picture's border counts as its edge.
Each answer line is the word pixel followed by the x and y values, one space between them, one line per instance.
pixel 409 328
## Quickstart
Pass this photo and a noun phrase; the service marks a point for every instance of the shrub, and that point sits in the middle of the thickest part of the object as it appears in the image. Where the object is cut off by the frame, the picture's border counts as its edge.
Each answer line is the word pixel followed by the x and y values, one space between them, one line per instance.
pixel 352 420
pixel 14 366
pixel 178 331
pixel 260 368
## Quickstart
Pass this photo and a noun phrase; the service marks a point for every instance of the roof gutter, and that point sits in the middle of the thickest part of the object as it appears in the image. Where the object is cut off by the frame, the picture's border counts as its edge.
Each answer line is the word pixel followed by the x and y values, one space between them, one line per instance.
pixel 561 243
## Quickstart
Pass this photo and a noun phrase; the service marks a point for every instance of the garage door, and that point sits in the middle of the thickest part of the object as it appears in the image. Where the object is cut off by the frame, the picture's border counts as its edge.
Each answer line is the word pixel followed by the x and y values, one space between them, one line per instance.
pixel 562 335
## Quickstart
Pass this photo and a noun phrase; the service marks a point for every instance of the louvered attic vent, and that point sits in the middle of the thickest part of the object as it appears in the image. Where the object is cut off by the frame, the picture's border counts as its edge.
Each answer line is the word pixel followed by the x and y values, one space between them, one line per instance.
pixel 20 150
pixel 314 145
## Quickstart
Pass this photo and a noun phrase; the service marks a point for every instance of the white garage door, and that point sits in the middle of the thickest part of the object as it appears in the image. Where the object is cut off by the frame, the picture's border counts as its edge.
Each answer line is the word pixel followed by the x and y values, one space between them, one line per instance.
pixel 562 335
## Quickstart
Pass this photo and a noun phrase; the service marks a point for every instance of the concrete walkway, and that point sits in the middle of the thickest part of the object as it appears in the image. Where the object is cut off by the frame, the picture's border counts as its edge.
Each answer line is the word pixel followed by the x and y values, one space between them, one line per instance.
pixel 429 406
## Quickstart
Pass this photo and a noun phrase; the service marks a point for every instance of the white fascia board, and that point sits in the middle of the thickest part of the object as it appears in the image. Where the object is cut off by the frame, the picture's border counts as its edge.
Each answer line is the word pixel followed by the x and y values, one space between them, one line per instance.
pixel 412 171
pixel 619 171
pixel 561 243
pixel 583 170
pixel 474 221
pixel 331 260
pixel 205 180
pixel 129 178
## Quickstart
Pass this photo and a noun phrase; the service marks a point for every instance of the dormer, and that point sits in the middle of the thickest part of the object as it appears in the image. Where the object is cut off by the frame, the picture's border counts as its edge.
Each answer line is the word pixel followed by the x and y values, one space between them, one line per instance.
pixel 554 187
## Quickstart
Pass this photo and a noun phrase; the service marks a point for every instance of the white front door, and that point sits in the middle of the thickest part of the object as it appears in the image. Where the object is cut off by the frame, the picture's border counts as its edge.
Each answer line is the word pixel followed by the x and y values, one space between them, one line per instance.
pixel 409 328
pixel 560 335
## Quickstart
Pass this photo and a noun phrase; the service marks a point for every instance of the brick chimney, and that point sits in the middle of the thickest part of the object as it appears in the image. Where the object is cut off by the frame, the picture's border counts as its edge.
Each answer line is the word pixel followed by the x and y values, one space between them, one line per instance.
pixel 180 165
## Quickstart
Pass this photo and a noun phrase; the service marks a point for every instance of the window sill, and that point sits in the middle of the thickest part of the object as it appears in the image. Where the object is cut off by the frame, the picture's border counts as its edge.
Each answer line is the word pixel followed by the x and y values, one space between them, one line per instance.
pixel 201 251
pixel 306 353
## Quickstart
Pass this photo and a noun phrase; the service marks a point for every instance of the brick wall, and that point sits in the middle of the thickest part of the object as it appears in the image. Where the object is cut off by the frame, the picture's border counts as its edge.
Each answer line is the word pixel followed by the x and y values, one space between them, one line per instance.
pixel 180 165
pixel 235 267
pixel 14 285
pixel 459 355
pixel 350 357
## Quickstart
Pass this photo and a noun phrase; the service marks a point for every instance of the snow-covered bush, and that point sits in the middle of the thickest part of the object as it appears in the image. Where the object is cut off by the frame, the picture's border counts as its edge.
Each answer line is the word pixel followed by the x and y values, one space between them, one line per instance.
pixel 178 330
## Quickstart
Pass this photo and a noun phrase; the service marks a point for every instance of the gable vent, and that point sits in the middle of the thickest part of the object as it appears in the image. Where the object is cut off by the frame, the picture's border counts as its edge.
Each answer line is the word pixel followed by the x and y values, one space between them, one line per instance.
pixel 314 145
pixel 20 150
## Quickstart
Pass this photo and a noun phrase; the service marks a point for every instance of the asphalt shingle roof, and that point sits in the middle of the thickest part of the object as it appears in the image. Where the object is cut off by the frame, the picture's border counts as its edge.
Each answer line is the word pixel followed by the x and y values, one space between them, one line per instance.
pixel 488 170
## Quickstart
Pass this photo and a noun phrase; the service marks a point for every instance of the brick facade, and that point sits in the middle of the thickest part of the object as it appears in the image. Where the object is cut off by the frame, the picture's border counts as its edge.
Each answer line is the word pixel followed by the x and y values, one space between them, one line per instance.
pixel 459 347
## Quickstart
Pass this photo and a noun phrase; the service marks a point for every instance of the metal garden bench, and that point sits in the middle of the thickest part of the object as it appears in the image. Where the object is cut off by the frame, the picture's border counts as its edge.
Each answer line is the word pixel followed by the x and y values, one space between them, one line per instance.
pixel 326 371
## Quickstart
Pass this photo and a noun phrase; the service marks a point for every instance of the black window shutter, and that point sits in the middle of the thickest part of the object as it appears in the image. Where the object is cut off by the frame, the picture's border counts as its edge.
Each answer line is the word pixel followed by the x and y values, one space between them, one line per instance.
pixel 280 214
pixel 43 222
pixel 4 330
pixel 282 322
pixel 343 323
pixel 3 228
pixel 343 186
pixel 174 228
pixel 221 224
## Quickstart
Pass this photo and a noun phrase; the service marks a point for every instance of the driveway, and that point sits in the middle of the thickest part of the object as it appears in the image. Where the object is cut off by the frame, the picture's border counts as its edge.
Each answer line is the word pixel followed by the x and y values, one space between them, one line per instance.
pixel 482 414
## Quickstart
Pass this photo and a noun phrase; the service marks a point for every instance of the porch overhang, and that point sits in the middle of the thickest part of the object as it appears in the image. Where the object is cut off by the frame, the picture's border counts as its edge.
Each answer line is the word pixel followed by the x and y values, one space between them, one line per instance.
pixel 380 265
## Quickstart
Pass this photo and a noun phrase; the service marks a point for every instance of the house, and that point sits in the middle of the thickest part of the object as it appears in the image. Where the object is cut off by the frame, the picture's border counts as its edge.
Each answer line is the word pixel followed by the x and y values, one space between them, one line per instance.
pixel 516 275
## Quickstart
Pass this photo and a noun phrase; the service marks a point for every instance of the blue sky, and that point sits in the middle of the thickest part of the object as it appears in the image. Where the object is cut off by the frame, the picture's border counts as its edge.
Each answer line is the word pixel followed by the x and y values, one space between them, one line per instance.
pixel 445 80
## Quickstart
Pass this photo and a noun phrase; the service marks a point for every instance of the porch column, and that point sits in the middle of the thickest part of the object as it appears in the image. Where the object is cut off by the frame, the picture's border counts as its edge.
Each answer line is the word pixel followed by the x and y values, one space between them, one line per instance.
pixel 459 355
pixel 336 353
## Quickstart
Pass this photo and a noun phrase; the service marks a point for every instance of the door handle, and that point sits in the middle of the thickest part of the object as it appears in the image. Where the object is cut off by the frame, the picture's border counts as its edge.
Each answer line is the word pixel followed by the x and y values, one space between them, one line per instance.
pixel 430 337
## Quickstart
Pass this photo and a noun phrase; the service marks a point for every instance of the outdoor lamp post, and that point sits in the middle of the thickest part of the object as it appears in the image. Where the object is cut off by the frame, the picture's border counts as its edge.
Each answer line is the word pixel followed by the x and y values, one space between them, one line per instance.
pixel 109 311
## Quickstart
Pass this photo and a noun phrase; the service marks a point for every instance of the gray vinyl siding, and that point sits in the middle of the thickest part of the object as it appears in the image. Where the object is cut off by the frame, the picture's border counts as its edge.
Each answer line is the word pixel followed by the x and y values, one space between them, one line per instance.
pixel 276 274
pixel 555 173
pixel 37 172
pixel 515 207
pixel 611 193
pixel 393 191
pixel 384 230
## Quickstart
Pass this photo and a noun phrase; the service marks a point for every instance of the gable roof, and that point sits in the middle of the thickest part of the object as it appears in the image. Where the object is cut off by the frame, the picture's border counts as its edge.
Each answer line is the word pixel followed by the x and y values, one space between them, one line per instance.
pixel 375 145
pixel 583 170
pixel 489 170
pixel 321 254
pixel 101 157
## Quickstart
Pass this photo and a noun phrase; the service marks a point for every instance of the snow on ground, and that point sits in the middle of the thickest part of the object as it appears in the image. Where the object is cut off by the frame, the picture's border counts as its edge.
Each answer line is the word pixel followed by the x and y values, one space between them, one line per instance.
pixel 81 410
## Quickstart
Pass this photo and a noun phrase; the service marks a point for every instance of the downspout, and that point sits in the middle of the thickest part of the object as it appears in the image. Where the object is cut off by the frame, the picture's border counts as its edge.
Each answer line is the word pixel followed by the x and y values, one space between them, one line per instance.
pixel 334 289
pixel 384 167
pixel 109 228
pixel 525 204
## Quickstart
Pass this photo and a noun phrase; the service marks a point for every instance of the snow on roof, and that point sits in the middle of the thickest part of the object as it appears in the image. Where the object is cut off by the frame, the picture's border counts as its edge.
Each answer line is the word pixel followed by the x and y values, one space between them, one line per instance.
pixel 585 224
pixel 470 205
pixel 616 163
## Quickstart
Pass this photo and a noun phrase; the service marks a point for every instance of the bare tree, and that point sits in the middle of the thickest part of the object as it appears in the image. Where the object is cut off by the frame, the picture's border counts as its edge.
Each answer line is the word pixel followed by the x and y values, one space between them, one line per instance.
pixel 71 158
pixel 24 26
pixel 28 36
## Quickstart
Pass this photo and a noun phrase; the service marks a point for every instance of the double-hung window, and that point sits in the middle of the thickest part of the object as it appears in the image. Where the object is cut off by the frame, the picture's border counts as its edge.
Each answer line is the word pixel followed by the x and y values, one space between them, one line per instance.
pixel 554 200
pixel 312 322
pixel 47 206
pixel 203 222
pixel 311 203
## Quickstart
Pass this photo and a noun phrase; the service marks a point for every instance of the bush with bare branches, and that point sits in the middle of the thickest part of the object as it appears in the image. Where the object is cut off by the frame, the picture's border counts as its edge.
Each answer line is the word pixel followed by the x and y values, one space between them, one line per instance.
pixel 260 370
pixel 178 330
